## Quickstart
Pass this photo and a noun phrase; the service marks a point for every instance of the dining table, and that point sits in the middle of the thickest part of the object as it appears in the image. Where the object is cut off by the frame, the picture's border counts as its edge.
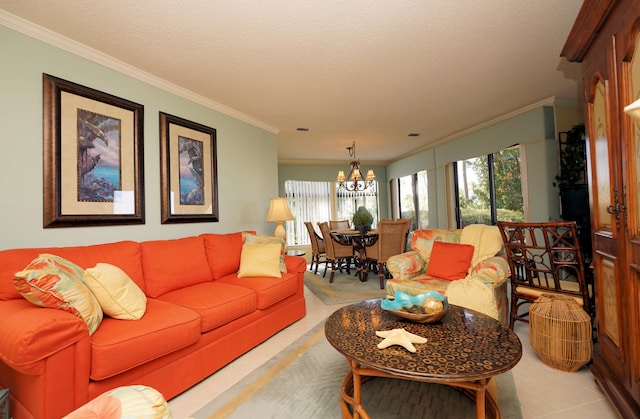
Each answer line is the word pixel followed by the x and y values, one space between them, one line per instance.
pixel 359 241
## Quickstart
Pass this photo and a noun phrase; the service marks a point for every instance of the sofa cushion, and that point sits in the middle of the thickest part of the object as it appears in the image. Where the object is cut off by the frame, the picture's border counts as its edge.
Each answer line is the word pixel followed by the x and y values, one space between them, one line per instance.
pixel 252 238
pixel 215 302
pixel 260 259
pixel 223 253
pixel 449 260
pixel 54 282
pixel 269 291
pixel 117 294
pixel 124 254
pixel 119 345
pixel 172 264
pixel 136 401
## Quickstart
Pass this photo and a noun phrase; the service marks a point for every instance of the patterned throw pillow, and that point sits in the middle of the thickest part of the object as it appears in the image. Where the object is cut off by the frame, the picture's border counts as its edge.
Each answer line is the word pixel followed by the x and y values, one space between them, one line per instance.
pixel 136 401
pixel 53 282
pixel 252 238
pixel 117 294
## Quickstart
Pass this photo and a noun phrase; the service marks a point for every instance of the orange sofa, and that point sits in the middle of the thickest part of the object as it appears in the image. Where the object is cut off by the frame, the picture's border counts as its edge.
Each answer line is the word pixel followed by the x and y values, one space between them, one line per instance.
pixel 199 317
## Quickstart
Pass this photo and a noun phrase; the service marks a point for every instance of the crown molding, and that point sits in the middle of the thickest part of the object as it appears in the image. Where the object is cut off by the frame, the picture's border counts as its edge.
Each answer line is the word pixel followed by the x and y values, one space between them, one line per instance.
pixel 52 38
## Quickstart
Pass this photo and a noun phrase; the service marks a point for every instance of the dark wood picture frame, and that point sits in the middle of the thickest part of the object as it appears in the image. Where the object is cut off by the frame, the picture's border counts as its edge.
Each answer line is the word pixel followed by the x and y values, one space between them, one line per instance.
pixel 188 171
pixel 85 130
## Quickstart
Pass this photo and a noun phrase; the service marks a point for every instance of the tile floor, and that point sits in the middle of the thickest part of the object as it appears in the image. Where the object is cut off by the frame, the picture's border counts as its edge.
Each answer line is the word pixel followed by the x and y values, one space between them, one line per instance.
pixel 543 391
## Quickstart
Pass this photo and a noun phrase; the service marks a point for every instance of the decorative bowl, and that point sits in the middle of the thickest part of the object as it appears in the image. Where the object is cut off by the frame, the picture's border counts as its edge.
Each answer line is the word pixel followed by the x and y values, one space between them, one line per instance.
pixel 406 306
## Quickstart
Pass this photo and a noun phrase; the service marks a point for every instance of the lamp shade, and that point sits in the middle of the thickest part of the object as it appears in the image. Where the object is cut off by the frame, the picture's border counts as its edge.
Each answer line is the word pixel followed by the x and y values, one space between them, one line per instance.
pixel 279 211
pixel 633 109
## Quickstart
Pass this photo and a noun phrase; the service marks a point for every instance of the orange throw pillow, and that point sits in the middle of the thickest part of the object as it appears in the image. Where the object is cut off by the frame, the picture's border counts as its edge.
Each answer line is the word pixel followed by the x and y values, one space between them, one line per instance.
pixel 449 261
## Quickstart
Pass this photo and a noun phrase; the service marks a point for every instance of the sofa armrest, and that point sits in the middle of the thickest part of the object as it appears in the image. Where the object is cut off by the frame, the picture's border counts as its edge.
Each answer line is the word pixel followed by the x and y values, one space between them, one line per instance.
pixel 295 264
pixel 30 334
pixel 405 265
pixel 493 272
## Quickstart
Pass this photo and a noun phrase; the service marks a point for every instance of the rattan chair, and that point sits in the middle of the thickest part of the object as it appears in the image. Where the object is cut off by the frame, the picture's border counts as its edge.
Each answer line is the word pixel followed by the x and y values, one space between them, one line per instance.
pixel 339 225
pixel 544 258
pixel 339 256
pixel 318 248
pixel 392 240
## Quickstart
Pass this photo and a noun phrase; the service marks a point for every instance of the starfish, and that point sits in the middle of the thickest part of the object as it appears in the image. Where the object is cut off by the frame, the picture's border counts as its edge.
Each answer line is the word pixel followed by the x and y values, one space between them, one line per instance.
pixel 399 337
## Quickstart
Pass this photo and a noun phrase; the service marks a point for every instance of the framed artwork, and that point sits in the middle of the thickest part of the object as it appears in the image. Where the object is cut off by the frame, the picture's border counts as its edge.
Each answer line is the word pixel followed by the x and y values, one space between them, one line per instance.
pixel 188 173
pixel 92 157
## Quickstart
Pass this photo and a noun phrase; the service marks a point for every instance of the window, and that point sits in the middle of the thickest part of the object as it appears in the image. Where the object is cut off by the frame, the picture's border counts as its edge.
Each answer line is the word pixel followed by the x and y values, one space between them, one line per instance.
pixel 323 201
pixel 489 188
pixel 413 199
pixel 347 202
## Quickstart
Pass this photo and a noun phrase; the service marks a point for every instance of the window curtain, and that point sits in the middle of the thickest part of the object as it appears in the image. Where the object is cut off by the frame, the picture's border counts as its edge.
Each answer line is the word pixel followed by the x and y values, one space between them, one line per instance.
pixel 308 201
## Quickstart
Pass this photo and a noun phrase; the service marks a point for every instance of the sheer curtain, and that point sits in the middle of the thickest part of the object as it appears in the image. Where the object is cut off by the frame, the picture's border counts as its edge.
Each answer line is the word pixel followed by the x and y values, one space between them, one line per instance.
pixel 308 201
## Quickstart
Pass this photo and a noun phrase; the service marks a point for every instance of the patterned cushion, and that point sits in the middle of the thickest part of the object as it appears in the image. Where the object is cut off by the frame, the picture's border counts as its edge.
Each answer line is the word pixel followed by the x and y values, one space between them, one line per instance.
pixel 436 234
pixel 260 259
pixel 405 265
pixel 117 294
pixel 252 238
pixel 53 282
pixel 135 401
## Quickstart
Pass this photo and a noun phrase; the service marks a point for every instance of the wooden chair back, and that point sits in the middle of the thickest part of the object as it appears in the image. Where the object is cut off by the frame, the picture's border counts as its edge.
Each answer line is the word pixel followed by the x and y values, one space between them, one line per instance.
pixel 544 258
pixel 339 224
pixel 317 243
pixel 334 250
pixel 392 240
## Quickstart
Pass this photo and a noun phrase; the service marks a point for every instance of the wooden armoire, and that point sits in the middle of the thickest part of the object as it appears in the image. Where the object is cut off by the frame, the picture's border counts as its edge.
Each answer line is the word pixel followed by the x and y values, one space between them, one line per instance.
pixel 605 40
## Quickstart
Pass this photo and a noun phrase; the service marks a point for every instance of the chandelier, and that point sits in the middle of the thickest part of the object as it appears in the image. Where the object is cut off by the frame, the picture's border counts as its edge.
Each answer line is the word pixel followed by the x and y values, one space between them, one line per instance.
pixel 355 181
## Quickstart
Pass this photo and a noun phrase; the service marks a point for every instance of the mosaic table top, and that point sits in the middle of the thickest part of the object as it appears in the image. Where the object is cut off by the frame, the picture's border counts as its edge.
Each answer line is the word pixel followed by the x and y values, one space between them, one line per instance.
pixel 464 346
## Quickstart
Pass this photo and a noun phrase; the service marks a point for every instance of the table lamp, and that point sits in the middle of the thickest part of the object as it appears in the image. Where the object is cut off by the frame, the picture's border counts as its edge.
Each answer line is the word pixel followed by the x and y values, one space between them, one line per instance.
pixel 278 213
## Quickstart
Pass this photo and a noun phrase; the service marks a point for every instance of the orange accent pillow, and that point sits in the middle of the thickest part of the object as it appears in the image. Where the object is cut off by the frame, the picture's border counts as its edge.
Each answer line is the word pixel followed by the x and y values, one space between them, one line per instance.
pixel 449 261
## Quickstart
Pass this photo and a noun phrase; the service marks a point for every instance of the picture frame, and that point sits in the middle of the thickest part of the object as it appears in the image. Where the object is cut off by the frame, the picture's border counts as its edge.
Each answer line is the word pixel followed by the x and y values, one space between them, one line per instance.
pixel 188 171
pixel 93 156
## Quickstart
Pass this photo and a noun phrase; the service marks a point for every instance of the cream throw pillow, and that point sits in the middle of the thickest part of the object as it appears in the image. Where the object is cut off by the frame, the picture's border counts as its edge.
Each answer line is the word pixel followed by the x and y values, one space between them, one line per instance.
pixel 485 239
pixel 253 239
pixel 117 294
pixel 260 259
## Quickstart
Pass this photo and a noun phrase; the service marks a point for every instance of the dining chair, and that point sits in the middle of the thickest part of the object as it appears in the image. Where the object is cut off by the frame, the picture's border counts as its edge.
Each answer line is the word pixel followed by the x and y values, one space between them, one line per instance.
pixel 392 240
pixel 339 225
pixel 318 248
pixel 339 256
pixel 544 258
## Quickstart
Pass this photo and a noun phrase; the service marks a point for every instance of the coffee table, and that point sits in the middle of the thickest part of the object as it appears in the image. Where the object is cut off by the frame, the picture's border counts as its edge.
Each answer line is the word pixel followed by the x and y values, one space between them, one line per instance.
pixel 464 350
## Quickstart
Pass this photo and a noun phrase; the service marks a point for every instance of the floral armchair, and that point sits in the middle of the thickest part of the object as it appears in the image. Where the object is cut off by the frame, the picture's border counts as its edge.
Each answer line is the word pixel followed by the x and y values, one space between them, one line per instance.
pixel 482 283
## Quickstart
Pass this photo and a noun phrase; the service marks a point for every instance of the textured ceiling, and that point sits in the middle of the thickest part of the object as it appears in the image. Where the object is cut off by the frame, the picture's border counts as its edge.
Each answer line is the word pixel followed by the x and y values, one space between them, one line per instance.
pixel 365 70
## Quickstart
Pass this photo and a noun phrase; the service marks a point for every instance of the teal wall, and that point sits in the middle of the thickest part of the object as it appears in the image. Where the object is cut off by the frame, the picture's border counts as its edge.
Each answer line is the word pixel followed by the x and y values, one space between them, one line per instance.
pixel 533 129
pixel 246 154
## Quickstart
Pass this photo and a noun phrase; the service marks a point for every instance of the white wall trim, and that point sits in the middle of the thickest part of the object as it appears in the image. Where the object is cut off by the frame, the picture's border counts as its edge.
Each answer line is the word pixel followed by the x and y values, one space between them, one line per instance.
pixel 52 38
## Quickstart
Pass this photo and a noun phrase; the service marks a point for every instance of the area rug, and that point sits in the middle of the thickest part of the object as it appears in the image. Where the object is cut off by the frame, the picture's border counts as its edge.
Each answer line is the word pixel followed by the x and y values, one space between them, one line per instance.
pixel 305 381
pixel 344 288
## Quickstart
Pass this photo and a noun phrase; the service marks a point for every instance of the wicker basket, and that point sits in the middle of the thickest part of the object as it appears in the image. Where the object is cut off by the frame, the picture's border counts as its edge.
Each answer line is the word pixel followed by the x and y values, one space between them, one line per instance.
pixel 560 332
